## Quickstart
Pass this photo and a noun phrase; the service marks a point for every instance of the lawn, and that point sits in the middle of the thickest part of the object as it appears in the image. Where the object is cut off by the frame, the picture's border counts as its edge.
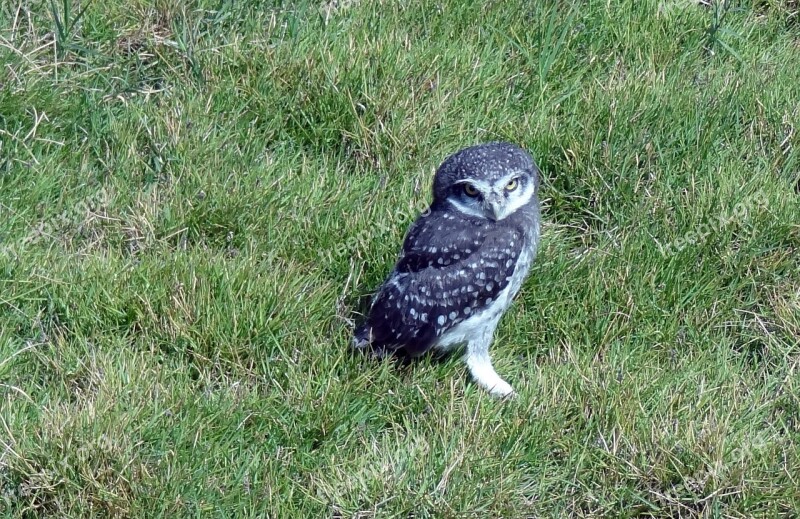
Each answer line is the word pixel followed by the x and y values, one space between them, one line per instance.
pixel 196 198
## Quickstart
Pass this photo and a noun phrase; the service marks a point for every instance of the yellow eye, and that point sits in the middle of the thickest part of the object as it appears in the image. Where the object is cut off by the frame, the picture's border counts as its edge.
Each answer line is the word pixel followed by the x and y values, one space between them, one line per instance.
pixel 512 185
pixel 470 190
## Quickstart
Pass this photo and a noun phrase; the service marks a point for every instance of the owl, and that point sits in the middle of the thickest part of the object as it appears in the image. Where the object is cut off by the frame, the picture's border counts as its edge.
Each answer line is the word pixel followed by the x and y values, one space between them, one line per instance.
pixel 462 262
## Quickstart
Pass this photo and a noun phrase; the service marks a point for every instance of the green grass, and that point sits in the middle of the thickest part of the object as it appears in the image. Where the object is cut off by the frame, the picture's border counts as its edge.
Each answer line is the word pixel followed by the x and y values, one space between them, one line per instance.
pixel 195 197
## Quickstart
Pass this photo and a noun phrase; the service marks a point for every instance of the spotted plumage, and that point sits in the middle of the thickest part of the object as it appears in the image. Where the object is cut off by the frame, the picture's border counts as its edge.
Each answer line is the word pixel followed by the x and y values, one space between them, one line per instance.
pixel 462 262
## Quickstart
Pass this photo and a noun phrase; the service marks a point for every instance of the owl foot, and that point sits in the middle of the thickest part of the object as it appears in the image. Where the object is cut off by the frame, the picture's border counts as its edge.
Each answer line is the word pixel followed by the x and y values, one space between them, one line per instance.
pixel 502 390
pixel 485 376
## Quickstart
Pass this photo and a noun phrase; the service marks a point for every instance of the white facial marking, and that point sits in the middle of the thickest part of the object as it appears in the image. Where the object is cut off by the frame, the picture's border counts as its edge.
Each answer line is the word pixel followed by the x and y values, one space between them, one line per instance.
pixel 517 199
pixel 471 211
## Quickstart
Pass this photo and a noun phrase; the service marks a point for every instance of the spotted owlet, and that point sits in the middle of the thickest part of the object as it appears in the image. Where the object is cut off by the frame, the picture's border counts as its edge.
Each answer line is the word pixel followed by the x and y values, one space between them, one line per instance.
pixel 463 261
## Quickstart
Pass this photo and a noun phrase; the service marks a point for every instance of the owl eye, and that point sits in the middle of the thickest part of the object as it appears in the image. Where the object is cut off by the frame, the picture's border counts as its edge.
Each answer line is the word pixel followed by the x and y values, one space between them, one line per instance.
pixel 512 185
pixel 470 190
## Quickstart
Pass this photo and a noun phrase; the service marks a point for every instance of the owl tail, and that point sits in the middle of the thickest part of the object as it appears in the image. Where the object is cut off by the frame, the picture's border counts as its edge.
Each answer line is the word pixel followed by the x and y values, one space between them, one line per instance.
pixel 361 338
pixel 362 342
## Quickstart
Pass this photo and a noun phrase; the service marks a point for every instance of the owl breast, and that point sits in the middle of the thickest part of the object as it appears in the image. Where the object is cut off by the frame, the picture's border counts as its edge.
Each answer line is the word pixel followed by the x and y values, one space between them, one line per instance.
pixel 485 321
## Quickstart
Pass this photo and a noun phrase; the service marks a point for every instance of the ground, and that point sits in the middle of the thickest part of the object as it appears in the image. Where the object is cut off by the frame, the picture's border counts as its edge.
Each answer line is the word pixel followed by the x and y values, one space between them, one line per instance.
pixel 195 198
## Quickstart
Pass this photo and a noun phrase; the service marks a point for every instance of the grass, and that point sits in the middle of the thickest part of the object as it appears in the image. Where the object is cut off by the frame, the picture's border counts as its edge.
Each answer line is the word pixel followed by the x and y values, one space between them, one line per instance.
pixel 194 198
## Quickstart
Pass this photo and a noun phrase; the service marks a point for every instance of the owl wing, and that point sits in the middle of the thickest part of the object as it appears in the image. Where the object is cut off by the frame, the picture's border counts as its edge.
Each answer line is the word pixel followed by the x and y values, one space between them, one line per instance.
pixel 450 269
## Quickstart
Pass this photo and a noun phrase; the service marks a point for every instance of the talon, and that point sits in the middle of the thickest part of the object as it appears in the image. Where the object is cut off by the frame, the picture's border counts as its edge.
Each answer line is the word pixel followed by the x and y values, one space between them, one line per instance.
pixel 503 391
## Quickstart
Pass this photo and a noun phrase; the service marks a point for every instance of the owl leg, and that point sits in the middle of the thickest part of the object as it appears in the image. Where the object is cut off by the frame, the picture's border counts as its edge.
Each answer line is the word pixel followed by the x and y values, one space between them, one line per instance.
pixel 480 365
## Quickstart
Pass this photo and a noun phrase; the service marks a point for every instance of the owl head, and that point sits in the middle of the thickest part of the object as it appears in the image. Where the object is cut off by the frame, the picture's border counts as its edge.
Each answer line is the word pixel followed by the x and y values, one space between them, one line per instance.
pixel 487 181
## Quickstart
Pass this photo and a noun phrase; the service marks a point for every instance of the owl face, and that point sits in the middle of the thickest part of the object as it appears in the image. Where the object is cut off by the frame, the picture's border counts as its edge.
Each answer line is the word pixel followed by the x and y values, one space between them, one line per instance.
pixel 488 181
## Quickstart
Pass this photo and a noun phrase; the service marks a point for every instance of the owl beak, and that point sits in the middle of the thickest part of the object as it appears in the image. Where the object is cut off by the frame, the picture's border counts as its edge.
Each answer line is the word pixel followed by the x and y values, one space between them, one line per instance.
pixel 494 207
